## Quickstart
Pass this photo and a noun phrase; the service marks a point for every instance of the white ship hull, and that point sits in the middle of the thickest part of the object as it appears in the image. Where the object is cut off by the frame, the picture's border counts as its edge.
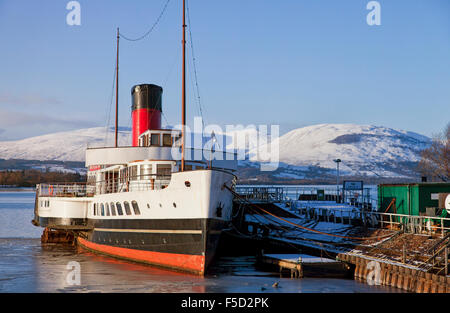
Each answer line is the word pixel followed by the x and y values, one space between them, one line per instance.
pixel 177 227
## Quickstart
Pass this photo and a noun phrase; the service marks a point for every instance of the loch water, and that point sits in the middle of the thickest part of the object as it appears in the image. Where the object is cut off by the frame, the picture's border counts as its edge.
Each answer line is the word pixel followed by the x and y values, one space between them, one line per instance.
pixel 28 266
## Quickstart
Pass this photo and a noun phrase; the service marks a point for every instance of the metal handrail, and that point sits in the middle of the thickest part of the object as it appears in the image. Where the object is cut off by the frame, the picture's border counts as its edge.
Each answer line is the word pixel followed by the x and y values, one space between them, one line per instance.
pixel 261 193
pixel 391 219
pixel 143 182
pixel 289 193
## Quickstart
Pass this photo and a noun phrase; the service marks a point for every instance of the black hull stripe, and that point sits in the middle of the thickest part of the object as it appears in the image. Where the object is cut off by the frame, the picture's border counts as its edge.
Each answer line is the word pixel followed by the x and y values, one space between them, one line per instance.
pixel 151 231
pixel 201 240
pixel 178 224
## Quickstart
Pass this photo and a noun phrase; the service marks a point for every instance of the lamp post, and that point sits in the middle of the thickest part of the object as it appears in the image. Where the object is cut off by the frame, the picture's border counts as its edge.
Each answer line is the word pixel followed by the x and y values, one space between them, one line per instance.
pixel 337 179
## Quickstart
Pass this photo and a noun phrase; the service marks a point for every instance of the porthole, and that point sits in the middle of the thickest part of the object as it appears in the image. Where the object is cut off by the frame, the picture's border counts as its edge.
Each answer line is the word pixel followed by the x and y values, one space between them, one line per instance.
pixel 119 208
pixel 127 208
pixel 174 205
pixel 148 205
pixel 160 205
pixel 187 183
pixel 135 206
pixel 113 209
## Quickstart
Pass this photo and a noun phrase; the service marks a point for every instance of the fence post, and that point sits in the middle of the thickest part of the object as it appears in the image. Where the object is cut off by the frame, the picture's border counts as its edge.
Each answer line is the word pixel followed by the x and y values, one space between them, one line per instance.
pixel 446 260
pixel 404 253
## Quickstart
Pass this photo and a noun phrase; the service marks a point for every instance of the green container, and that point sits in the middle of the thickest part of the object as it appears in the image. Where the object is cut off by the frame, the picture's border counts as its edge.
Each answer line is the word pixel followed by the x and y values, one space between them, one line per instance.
pixel 411 199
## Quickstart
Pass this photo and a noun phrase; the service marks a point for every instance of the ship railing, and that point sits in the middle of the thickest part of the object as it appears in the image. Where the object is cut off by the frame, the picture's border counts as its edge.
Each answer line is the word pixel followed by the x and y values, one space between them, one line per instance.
pixel 135 183
pixel 65 190
pixel 265 194
pixel 362 200
pixel 417 224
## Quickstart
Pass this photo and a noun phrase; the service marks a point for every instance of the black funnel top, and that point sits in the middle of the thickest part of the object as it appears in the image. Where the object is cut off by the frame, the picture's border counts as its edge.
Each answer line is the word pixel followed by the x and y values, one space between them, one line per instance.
pixel 146 96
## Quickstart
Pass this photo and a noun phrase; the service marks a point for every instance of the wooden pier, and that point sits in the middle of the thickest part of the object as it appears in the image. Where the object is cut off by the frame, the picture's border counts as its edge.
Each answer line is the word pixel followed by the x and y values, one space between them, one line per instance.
pixel 378 248
pixel 409 278
pixel 304 265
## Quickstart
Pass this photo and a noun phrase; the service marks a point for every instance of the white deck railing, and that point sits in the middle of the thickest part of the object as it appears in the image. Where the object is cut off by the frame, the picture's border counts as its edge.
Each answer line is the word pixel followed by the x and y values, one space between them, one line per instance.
pixel 65 190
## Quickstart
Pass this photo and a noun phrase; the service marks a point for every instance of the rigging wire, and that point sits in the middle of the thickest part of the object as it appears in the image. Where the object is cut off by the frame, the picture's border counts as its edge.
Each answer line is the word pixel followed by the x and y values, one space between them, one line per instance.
pixel 166 79
pixel 193 61
pixel 191 80
pixel 151 29
pixel 110 106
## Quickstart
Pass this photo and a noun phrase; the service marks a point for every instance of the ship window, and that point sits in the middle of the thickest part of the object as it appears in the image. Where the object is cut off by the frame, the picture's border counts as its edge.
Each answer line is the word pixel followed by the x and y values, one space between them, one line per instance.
pixel 119 208
pixel 145 171
pixel 127 208
pixel 154 139
pixel 188 167
pixel 95 209
pixel 113 209
pixel 135 207
pixel 103 209
pixel 133 172
pixel 167 140
pixel 107 209
pixel 121 175
pixel 163 171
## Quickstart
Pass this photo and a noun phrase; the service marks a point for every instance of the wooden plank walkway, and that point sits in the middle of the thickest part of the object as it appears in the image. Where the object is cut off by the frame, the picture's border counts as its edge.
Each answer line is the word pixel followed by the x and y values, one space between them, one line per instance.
pixel 301 265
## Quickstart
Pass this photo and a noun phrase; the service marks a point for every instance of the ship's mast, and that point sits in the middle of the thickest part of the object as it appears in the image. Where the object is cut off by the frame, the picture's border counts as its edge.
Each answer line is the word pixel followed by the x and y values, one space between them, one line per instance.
pixel 117 89
pixel 183 96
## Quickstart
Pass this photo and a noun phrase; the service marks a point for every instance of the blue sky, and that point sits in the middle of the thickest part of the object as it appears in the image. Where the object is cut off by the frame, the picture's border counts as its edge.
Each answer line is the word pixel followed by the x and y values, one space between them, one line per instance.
pixel 288 62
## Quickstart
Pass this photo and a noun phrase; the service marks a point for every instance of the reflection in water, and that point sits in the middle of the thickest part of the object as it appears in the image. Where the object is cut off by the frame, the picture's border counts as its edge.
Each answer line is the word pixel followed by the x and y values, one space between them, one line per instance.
pixel 28 266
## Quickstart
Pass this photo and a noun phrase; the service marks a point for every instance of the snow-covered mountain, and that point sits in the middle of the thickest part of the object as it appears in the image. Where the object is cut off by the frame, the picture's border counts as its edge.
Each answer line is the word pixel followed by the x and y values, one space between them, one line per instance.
pixel 62 146
pixel 363 149
pixel 303 153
